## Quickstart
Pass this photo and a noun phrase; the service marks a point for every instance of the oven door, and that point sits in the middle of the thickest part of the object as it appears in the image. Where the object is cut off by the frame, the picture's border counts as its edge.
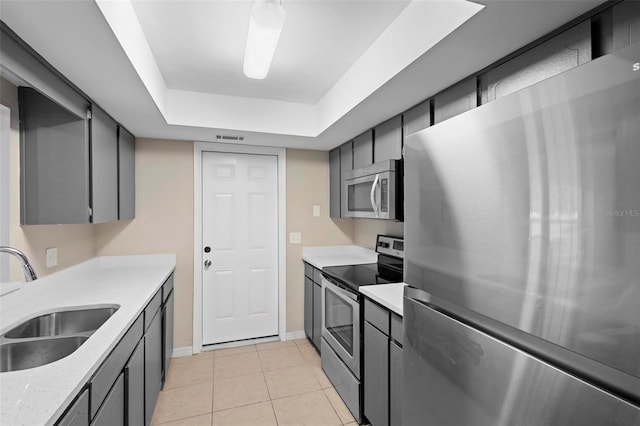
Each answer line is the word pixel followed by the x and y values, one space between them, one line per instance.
pixel 371 196
pixel 341 324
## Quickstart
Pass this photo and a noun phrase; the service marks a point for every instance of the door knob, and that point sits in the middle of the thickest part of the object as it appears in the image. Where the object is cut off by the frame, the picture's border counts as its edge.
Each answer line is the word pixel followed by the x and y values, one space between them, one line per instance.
pixel 207 263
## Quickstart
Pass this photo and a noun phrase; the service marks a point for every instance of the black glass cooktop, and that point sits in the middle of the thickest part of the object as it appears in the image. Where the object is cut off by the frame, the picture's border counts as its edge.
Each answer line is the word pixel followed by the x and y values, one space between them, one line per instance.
pixel 354 276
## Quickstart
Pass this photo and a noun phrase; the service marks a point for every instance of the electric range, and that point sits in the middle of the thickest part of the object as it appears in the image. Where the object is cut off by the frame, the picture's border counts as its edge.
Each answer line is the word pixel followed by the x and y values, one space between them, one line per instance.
pixel 342 317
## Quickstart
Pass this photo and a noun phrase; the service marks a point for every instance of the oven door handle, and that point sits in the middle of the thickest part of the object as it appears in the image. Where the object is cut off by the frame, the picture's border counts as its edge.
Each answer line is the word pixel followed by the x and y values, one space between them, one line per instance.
pixel 373 194
pixel 340 291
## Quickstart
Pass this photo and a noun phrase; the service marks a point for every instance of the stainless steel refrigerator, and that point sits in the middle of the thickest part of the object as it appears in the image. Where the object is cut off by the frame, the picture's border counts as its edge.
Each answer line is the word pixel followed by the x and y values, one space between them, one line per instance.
pixel 522 239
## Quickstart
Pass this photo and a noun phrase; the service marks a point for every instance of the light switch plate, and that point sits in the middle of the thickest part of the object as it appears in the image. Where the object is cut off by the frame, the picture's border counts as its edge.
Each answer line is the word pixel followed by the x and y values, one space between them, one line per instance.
pixel 295 238
pixel 316 211
pixel 51 257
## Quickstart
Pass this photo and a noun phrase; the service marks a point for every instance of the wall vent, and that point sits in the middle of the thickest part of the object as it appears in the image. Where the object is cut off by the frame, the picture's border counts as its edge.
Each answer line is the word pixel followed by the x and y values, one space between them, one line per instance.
pixel 229 138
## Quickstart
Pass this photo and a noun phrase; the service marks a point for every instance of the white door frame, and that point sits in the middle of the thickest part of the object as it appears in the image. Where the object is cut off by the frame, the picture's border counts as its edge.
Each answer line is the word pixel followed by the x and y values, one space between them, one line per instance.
pixel 198 149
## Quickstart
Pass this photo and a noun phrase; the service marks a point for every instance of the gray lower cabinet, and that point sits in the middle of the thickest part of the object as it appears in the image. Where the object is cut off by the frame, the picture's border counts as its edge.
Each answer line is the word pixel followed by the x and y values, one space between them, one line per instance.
pixel 112 411
pixel 78 413
pixel 396 383
pixel 313 305
pixel 308 307
pixel 152 365
pixel 134 386
pixel 167 337
pixel 383 371
pixel 125 388
pixel 317 314
pixel 376 376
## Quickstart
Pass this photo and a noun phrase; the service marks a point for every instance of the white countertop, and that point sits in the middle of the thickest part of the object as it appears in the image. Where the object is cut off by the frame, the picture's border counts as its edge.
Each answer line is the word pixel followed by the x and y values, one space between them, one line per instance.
pixel 388 295
pixel 321 257
pixel 38 396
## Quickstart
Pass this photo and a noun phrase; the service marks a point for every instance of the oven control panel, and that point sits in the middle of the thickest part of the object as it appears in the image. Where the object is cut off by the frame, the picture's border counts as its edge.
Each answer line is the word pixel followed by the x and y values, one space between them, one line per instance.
pixel 392 246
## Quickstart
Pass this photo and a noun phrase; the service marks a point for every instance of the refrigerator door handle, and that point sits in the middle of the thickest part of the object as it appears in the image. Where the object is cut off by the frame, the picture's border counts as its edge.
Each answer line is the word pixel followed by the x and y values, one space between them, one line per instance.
pixel 615 381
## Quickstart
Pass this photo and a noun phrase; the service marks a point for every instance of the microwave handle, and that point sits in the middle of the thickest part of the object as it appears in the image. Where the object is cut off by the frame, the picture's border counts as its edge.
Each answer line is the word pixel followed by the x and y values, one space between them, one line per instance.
pixel 373 194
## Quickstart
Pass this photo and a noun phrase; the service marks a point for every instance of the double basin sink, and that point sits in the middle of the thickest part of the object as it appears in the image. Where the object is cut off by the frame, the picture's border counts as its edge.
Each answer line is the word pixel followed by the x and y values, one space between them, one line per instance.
pixel 49 337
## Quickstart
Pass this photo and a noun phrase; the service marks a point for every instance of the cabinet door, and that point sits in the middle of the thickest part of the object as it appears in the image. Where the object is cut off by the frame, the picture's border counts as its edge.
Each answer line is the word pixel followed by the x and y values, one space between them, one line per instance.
pixel 363 150
pixel 417 118
pixel 112 411
pixel 134 385
pixel 346 165
pixel 308 307
pixel 455 100
pixel 376 376
pixel 167 341
pixel 54 156
pixel 334 183
pixel 78 414
pixel 388 141
pixel 152 365
pixel 317 314
pixel 563 52
pixel 626 24
pixel 104 166
pixel 396 383
pixel 126 174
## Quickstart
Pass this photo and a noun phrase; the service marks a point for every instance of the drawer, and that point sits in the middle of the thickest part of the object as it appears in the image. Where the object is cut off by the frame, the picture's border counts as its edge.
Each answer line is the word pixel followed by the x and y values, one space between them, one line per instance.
pixel 167 287
pixel 113 365
pixel 397 329
pixel 308 270
pixel 152 308
pixel 317 276
pixel 376 315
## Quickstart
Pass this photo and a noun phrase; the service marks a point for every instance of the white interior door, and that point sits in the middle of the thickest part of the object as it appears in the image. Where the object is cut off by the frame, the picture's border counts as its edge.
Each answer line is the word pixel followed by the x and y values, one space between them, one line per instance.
pixel 240 239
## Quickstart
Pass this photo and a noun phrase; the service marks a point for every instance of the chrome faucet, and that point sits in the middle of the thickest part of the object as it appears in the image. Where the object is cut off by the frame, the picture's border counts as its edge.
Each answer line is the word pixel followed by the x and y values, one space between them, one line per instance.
pixel 27 270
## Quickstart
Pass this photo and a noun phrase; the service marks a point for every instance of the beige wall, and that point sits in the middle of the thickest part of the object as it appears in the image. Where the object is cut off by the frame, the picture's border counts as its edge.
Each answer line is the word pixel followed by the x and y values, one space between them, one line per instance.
pixel 308 185
pixel 75 243
pixel 366 230
pixel 163 222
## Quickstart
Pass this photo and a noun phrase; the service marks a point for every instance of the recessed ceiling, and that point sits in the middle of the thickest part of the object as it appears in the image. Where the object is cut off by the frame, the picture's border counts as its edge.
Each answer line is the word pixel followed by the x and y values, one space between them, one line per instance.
pixel 199 45
pixel 112 60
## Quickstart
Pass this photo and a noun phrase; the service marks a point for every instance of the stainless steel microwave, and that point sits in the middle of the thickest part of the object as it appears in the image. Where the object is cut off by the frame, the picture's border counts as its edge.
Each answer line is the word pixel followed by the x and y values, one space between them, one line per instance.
pixel 374 192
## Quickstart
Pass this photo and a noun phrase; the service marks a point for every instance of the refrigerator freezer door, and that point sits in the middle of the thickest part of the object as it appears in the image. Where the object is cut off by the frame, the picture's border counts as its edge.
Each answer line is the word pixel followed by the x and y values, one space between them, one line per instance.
pixel 527 210
pixel 458 376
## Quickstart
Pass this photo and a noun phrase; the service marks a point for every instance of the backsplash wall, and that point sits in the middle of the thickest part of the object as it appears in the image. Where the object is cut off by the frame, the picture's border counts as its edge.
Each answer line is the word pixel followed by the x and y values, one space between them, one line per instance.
pixel 366 231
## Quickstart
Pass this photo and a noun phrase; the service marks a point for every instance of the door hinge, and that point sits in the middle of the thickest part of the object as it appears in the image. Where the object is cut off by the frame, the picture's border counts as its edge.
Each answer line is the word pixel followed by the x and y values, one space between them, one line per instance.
pixel 403 150
pixel 90 212
pixel 88 114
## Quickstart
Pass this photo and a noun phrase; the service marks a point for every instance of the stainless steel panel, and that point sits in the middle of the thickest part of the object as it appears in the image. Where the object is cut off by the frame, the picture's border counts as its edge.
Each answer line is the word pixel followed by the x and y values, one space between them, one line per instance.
pixel 345 383
pixel 459 376
pixel 527 210
pixel 350 358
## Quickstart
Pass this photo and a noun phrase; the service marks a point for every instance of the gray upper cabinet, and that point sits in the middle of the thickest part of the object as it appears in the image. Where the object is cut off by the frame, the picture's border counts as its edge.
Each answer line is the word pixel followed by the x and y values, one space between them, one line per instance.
pixel 454 101
pixel 346 165
pixel 104 166
pixel 54 152
pixel 363 150
pixel 417 118
pixel 626 24
pixel 561 53
pixel 126 174
pixel 334 183
pixel 388 140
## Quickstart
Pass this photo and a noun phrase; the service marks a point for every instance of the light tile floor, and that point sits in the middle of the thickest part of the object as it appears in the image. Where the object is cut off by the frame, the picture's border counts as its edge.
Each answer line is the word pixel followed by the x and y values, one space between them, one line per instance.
pixel 279 383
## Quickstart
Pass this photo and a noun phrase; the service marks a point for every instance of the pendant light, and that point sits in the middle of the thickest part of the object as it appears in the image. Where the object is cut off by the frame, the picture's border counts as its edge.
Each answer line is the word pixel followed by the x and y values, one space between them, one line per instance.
pixel 265 26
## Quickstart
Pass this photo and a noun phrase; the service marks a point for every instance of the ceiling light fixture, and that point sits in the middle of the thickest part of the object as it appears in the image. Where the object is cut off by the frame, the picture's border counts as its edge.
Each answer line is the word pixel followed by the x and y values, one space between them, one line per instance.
pixel 265 26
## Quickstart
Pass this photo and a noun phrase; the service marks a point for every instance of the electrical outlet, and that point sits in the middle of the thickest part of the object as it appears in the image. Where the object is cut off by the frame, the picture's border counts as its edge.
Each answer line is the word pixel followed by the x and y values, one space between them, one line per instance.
pixel 295 238
pixel 51 257
pixel 316 211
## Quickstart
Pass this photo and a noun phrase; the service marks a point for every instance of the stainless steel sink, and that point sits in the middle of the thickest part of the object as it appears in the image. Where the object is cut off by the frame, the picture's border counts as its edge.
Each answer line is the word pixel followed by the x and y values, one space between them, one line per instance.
pixel 34 353
pixel 49 337
pixel 61 323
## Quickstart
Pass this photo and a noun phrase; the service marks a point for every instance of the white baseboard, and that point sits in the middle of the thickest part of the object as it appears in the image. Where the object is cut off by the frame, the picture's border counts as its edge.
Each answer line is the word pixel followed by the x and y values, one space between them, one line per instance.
pixel 185 351
pixel 295 335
